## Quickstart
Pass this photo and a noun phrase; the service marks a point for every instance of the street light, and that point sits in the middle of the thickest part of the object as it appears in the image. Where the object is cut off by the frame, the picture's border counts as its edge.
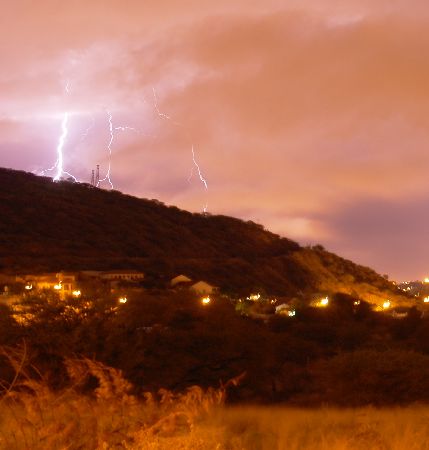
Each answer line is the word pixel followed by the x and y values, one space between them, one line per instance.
pixel 206 300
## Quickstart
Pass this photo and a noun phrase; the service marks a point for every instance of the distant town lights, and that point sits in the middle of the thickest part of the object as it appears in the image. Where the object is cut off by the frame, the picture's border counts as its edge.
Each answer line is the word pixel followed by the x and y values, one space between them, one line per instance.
pixel 28 287
pixel 386 304
pixel 123 300
pixel 57 287
pixel 426 300
pixel 76 293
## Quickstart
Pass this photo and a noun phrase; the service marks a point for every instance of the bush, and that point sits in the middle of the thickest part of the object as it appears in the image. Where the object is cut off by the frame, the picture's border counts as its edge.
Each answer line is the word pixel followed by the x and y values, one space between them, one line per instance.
pixel 372 377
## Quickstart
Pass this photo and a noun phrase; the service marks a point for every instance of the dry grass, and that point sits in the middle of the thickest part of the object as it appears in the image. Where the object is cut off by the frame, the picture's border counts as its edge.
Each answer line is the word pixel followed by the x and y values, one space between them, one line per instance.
pixel 32 416
pixel 327 429
pixel 108 416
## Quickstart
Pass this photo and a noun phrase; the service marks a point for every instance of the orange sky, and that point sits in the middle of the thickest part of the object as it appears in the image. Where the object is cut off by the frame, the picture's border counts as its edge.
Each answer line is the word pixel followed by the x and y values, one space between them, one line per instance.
pixel 309 117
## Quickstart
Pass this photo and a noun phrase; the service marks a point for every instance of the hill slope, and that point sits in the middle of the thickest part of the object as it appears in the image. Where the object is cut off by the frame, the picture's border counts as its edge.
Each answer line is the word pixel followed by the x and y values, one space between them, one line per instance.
pixel 52 226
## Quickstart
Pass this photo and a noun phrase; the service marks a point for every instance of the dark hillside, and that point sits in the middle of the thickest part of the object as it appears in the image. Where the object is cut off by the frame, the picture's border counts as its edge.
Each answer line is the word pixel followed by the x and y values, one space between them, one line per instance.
pixel 51 226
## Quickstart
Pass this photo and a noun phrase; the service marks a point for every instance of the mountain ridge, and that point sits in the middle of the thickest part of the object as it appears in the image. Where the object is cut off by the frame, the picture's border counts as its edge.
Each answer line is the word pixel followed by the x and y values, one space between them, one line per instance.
pixel 74 226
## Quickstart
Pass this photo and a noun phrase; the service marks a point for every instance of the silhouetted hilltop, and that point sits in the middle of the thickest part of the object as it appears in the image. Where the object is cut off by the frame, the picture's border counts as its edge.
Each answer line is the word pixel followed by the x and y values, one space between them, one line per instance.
pixel 71 226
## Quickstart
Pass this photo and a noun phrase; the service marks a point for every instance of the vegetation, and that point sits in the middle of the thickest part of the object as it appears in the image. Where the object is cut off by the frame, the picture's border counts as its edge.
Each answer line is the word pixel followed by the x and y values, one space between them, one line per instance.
pixel 344 354
pixel 50 226
pixel 35 417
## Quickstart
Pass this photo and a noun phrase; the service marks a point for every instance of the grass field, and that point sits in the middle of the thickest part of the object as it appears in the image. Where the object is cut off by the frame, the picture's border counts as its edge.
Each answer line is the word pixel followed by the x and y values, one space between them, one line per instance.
pixel 106 415
pixel 326 429
pixel 81 423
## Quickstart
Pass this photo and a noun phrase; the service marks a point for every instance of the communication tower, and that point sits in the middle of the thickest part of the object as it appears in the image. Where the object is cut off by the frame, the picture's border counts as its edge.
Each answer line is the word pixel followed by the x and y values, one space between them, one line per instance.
pixel 97 176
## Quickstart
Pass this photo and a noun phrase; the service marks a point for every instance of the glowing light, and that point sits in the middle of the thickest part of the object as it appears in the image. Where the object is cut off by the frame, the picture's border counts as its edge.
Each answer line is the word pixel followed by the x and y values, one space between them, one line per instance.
pixel 76 293
pixel 426 280
pixel 386 304
pixel 254 297
pixel 323 302
pixel 356 303
pixel 57 287
pixel 29 287
pixel 426 300
pixel 205 300
pixel 291 313
pixel 123 300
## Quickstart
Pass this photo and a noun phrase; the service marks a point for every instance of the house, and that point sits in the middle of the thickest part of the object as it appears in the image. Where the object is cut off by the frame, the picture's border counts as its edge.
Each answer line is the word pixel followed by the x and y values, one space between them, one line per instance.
pixel 132 276
pixel 67 282
pixel 62 282
pixel 203 288
pixel 180 280
pixel 40 281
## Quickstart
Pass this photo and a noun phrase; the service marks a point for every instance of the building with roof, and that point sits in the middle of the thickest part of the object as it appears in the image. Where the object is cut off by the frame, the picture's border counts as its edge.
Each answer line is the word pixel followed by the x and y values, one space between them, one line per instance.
pixel 180 280
pixel 203 288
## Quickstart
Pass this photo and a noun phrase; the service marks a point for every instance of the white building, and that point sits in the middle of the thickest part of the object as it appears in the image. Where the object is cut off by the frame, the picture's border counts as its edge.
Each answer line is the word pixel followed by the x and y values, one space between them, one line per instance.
pixel 203 288
pixel 180 279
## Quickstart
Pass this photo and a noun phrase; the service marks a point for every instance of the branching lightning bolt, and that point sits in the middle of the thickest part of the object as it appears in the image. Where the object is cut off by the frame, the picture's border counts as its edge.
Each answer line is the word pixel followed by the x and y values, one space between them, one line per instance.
pixel 112 130
pixel 59 164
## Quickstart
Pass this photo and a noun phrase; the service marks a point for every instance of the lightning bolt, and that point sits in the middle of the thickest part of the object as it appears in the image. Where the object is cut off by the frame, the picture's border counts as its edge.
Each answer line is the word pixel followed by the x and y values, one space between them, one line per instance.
pixel 191 174
pixel 194 161
pixel 203 180
pixel 59 164
pixel 125 129
pixel 86 132
pixel 161 114
pixel 60 146
pixel 109 149
pixel 112 130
